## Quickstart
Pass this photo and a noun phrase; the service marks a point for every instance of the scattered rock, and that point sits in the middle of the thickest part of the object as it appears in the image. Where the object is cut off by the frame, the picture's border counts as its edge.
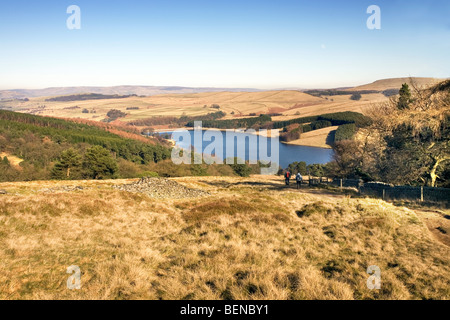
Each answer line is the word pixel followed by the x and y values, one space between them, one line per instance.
pixel 162 188
pixel 62 189
pixel 392 265
pixel 3 192
pixel 329 233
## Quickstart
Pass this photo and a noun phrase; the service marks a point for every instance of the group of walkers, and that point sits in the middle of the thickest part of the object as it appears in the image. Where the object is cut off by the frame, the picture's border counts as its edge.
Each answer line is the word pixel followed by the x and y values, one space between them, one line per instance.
pixel 298 178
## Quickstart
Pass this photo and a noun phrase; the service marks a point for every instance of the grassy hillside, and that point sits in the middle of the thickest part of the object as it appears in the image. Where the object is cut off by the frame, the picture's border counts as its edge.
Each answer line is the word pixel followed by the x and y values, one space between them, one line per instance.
pixel 235 104
pixel 321 138
pixel 40 142
pixel 396 83
pixel 249 239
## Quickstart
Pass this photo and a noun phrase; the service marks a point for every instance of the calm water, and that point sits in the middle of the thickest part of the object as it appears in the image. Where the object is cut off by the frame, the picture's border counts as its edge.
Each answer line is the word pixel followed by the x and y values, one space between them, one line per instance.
pixel 287 153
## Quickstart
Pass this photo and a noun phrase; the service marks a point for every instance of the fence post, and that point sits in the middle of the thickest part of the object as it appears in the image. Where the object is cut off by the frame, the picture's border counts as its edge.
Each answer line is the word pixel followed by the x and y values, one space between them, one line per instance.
pixel 341 183
pixel 421 194
pixel 384 193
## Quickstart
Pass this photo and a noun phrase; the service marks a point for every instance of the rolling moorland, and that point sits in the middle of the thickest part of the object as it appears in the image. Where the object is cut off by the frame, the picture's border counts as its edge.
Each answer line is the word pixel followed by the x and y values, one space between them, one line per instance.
pixel 282 104
pixel 244 238
pixel 216 235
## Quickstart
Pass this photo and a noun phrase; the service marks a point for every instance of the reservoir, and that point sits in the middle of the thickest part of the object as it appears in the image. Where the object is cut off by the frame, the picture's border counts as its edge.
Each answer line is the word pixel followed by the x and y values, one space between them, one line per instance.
pixel 287 153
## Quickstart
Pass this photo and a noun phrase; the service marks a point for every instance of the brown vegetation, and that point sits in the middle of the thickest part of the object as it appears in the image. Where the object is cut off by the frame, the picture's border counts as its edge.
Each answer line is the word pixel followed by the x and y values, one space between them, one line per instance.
pixel 116 127
pixel 251 239
pixel 408 142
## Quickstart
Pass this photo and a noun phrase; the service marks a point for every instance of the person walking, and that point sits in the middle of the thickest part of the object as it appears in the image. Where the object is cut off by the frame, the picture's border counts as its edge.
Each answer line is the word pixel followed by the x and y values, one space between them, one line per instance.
pixel 299 180
pixel 287 176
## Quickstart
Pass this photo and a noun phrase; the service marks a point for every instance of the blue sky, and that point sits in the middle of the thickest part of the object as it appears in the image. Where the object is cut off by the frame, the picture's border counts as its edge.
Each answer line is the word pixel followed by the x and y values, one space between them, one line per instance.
pixel 215 43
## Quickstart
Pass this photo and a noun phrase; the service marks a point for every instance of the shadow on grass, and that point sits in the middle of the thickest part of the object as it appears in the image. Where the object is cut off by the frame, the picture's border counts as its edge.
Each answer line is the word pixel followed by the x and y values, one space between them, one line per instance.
pixel 330 138
pixel 225 184
pixel 280 186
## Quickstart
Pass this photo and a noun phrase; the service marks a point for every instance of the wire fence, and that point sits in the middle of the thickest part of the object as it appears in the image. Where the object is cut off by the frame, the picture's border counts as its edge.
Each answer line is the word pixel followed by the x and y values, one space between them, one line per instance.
pixel 387 191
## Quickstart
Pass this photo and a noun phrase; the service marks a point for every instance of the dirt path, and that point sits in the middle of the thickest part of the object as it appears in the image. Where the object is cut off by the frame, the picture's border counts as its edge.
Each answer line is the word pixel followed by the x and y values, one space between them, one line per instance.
pixel 438 223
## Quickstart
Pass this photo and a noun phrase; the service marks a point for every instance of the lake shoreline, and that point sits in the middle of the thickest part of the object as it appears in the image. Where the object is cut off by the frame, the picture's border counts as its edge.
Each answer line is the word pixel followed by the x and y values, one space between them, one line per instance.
pixel 287 152
pixel 306 145
pixel 258 133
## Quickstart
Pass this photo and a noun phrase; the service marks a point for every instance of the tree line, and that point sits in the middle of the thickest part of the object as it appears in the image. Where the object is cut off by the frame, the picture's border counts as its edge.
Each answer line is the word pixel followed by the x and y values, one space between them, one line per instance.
pixel 334 92
pixel 182 121
pixel 234 123
pixel 88 96
pixel 348 123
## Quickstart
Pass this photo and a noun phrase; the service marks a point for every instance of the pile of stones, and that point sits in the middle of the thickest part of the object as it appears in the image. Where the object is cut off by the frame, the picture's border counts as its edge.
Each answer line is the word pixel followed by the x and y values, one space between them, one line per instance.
pixel 161 188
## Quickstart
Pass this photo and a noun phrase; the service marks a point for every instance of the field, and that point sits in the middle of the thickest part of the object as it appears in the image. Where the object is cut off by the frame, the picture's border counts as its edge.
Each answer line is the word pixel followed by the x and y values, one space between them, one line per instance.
pixel 321 138
pixel 250 238
pixel 292 104
pixel 241 103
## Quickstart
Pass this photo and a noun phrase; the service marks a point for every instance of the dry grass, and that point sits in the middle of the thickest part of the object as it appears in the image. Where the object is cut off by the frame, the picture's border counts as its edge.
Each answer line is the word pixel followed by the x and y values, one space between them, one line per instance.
pixel 289 103
pixel 15 161
pixel 251 239
pixel 396 83
pixel 321 138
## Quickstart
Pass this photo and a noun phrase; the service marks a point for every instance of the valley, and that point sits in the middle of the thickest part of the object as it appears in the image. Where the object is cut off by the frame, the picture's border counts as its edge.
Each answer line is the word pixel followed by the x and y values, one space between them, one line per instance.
pixel 281 104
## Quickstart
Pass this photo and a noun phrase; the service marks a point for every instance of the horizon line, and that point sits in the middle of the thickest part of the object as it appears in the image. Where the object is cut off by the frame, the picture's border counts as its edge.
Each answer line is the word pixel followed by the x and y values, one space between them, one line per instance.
pixel 287 88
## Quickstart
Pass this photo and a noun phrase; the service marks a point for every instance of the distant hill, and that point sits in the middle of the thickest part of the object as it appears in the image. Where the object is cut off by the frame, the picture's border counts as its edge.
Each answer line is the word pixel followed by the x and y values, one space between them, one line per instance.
pixel 395 83
pixel 117 90
pixel 379 85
